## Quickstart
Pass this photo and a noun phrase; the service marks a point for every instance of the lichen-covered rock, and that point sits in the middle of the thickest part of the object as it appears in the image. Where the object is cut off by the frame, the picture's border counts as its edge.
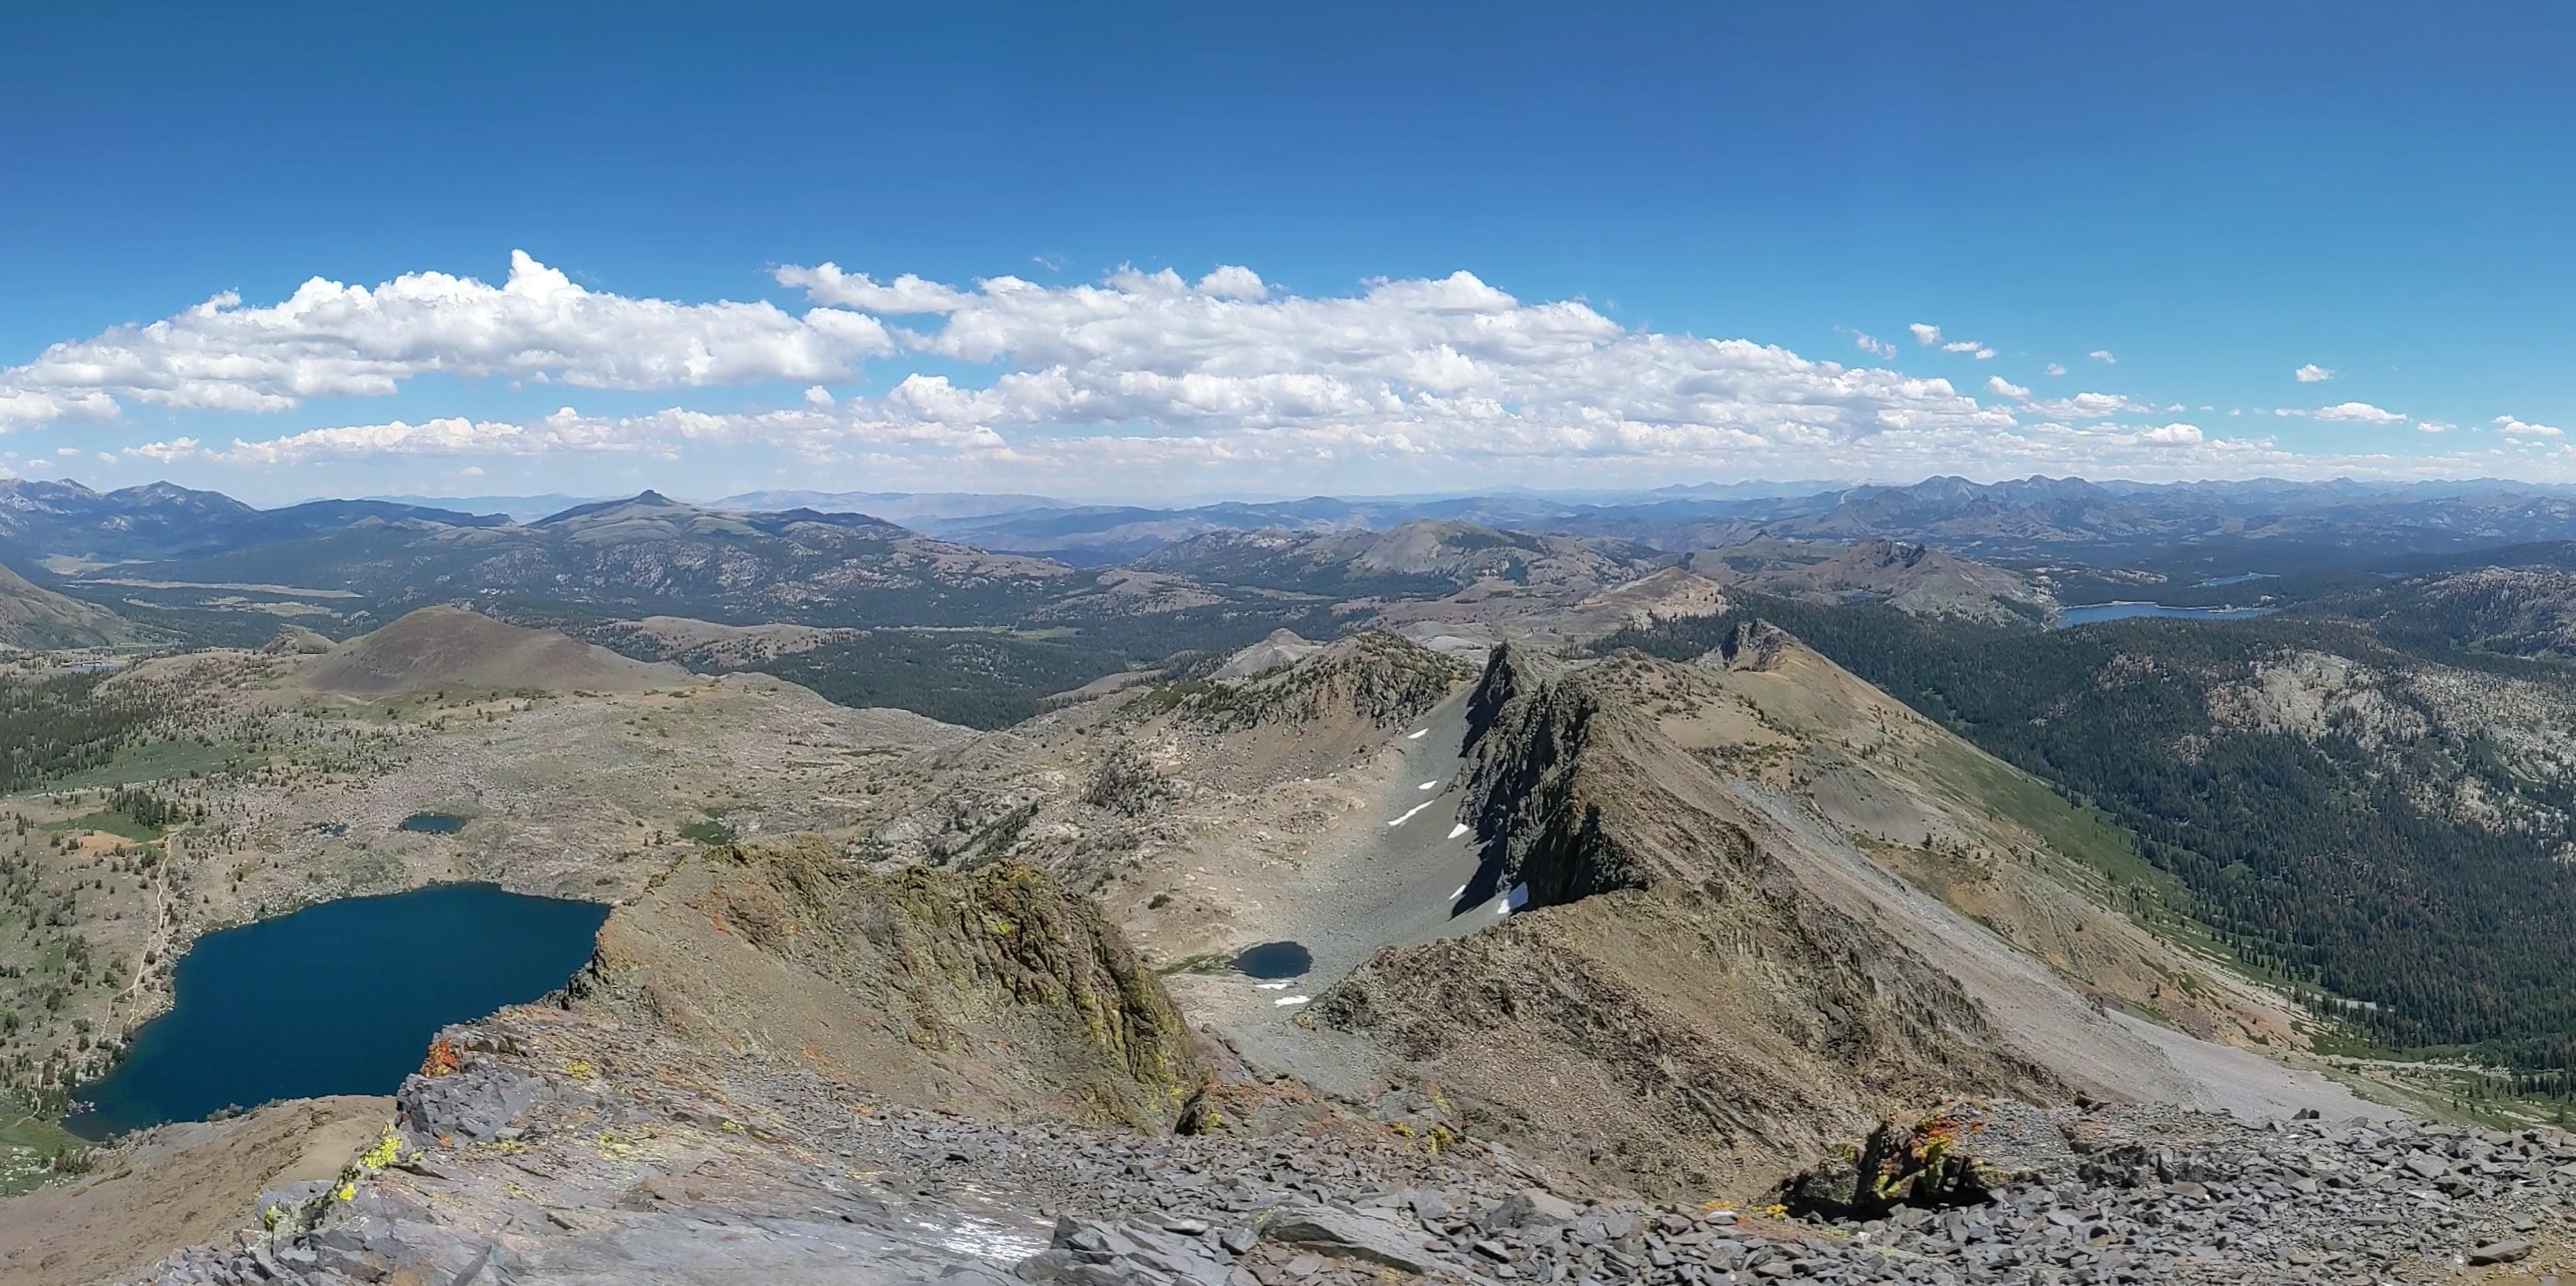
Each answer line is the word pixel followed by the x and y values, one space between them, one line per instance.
pixel 989 990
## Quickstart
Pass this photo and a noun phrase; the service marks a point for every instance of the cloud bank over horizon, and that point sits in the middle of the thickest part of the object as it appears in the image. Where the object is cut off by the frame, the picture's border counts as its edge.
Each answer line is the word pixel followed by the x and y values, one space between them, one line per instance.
pixel 1136 383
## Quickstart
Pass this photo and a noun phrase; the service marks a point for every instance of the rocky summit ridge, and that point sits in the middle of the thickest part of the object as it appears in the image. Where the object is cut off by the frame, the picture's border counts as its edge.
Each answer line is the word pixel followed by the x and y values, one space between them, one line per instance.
pixel 510 1162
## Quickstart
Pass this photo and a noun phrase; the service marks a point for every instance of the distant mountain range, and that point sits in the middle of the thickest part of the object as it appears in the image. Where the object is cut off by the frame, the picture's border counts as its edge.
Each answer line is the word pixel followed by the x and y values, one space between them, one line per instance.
pixel 906 507
pixel 515 508
pixel 40 520
pixel 367 545
pixel 2026 518
pixel 641 555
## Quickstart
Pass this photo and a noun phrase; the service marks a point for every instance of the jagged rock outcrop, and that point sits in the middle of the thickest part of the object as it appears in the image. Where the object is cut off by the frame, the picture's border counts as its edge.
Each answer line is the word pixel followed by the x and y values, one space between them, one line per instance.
pixel 1552 761
pixel 295 640
pixel 1282 647
pixel 1381 678
pixel 1755 645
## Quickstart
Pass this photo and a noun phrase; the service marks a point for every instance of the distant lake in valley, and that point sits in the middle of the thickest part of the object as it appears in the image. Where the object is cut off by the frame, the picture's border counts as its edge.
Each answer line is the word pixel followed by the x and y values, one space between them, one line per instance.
pixel 2089 613
pixel 339 998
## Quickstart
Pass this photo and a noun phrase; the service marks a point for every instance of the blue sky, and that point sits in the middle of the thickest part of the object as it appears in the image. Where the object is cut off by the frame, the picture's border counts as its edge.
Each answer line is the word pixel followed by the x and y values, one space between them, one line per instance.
pixel 2214 197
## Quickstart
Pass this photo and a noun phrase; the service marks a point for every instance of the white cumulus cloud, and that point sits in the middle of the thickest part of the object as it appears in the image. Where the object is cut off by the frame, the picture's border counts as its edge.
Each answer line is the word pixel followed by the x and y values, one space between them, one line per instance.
pixel 2347 413
pixel 2311 373
pixel 328 339
pixel 2089 406
pixel 1149 369
pixel 1135 379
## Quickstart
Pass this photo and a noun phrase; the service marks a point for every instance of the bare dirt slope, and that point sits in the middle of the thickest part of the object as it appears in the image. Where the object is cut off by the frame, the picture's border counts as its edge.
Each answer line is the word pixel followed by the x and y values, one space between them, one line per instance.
pixel 1392 867
pixel 443 647
pixel 176 1186
pixel 1978 835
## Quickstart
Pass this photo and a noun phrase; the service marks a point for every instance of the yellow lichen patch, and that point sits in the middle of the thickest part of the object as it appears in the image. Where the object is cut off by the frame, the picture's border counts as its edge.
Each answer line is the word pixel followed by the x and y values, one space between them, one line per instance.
pixel 385 1152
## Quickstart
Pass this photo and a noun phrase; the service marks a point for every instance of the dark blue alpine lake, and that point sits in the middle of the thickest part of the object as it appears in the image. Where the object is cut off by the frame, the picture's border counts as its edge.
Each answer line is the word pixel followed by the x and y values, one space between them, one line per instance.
pixel 340 998
pixel 2088 613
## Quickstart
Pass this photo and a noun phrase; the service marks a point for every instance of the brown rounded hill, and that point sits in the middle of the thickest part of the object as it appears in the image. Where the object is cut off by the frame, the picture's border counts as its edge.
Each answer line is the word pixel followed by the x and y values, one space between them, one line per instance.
pixel 443 647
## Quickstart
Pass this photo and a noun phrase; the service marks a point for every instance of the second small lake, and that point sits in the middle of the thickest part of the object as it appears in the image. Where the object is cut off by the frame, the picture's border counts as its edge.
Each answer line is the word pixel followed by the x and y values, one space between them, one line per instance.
pixel 1274 960
pixel 2089 613
pixel 340 998
pixel 433 823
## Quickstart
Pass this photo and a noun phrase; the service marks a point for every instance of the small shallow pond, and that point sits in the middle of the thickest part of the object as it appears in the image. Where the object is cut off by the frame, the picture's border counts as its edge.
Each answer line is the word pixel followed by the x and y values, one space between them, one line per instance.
pixel 2088 613
pixel 1275 960
pixel 340 998
pixel 433 823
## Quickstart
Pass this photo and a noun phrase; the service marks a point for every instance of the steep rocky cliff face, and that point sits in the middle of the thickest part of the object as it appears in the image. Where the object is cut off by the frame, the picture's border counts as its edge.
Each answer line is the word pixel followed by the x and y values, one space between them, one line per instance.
pixel 991 992
pixel 1554 759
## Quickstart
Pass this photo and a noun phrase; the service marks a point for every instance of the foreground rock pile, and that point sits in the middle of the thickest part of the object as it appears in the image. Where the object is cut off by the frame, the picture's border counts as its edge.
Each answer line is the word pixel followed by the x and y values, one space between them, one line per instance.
pixel 555 1151
pixel 2124 1195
